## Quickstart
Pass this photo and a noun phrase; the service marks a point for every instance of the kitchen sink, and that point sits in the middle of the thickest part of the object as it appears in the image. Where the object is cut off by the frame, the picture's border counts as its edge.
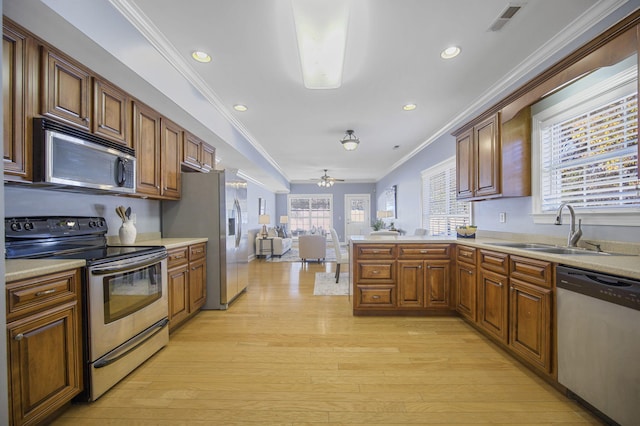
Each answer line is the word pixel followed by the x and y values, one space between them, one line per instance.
pixel 551 249
pixel 524 245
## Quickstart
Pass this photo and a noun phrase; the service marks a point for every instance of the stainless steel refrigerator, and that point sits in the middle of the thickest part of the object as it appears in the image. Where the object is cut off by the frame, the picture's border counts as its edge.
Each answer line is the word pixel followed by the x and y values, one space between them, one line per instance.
pixel 214 205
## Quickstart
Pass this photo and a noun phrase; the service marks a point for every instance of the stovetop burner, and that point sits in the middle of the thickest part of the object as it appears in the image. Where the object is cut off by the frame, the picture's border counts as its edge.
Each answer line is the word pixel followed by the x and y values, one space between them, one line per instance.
pixel 64 237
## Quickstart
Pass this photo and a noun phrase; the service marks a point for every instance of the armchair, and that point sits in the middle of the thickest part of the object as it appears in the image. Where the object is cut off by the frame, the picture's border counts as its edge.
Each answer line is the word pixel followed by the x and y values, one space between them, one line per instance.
pixel 312 246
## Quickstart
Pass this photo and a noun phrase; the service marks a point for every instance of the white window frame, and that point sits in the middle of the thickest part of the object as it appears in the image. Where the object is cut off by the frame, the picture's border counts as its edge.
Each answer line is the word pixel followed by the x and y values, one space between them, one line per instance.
pixel 310 196
pixel 581 102
pixel 448 165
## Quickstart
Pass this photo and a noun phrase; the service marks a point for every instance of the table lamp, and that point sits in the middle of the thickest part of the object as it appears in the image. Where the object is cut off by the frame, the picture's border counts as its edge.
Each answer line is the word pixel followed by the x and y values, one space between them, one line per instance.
pixel 264 220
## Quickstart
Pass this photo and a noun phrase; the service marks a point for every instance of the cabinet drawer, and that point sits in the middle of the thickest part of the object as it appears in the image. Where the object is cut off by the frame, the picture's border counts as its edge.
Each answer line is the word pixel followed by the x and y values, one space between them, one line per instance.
pixel 178 256
pixel 466 254
pixel 197 251
pixel 493 261
pixel 376 296
pixel 39 293
pixel 531 270
pixel 376 272
pixel 424 251
pixel 376 251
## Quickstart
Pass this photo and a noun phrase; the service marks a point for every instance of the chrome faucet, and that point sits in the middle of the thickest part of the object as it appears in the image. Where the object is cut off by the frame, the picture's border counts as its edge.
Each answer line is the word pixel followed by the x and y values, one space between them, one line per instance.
pixel 574 236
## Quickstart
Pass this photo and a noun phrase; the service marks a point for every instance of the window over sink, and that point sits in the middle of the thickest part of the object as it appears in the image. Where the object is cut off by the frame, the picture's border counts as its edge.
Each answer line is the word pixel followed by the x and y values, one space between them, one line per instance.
pixel 585 146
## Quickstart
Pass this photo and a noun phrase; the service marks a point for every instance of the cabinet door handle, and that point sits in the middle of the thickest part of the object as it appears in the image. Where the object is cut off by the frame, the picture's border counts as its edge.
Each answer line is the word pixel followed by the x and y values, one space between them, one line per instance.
pixel 419 266
pixel 423 251
pixel 500 285
pixel 19 337
pixel 375 297
pixel 470 272
pixel 45 292
pixel 375 272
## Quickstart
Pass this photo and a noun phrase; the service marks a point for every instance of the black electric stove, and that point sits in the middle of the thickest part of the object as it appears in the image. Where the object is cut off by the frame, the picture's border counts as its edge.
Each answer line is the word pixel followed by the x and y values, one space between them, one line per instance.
pixel 65 237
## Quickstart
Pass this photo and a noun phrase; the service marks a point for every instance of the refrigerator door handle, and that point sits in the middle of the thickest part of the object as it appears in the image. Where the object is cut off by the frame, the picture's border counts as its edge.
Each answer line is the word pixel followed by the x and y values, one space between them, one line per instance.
pixel 238 222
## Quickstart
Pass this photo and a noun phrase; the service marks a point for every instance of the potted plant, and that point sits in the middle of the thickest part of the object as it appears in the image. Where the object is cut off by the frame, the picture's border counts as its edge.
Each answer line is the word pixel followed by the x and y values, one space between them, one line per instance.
pixel 377 224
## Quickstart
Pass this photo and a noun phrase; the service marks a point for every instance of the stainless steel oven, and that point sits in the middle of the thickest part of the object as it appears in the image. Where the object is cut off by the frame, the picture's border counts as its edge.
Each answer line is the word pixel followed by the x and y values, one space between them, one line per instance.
pixel 124 292
pixel 127 309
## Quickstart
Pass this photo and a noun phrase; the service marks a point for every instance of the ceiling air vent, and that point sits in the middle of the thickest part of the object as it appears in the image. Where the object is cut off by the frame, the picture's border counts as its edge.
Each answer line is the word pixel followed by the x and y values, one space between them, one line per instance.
pixel 505 16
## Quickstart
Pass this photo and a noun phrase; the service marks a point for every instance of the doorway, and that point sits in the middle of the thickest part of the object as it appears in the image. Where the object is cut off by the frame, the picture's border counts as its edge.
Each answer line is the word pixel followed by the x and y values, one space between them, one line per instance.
pixel 357 212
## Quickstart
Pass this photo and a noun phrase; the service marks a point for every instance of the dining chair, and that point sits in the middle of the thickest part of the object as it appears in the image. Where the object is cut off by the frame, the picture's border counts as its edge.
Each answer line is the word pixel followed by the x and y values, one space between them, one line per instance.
pixel 341 258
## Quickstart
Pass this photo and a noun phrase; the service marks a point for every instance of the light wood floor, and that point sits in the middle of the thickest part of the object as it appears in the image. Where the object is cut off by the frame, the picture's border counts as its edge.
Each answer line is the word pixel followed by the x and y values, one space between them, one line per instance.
pixel 281 356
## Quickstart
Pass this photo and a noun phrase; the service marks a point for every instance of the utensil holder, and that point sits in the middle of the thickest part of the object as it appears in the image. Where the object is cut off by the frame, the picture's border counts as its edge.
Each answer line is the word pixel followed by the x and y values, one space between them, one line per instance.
pixel 127 232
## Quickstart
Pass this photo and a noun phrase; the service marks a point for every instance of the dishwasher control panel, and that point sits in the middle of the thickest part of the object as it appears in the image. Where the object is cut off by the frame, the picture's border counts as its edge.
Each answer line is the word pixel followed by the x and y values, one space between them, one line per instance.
pixel 611 288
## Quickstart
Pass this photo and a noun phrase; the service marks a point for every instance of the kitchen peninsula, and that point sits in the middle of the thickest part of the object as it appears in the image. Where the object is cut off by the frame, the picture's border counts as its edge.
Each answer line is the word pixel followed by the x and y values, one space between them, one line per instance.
pixel 507 293
pixel 383 265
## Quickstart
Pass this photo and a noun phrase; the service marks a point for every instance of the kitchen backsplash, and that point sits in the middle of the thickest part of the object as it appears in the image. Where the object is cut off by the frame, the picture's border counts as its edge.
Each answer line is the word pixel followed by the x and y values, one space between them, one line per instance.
pixel 23 201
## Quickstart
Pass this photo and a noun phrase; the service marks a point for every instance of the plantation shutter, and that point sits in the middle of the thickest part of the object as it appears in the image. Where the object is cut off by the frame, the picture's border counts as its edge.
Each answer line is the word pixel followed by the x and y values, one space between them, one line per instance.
pixel 590 159
pixel 442 212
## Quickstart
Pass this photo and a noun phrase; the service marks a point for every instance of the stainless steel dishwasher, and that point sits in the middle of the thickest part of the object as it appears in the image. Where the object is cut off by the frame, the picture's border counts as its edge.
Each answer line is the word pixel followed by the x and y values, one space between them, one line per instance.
pixel 599 341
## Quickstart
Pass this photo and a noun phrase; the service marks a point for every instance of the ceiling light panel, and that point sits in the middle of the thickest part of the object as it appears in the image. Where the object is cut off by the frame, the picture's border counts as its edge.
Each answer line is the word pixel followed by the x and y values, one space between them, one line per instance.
pixel 321 31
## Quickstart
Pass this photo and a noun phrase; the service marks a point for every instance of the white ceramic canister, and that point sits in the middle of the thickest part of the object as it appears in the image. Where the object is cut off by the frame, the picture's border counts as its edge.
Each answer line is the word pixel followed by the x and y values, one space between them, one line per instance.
pixel 127 232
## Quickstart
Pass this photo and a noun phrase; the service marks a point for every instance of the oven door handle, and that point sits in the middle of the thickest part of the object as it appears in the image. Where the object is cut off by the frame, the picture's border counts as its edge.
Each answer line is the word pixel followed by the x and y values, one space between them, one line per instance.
pixel 131 345
pixel 96 270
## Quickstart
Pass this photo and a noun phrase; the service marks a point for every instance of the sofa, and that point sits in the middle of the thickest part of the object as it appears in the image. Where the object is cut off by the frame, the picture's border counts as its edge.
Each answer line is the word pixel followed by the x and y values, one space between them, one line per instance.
pixel 281 245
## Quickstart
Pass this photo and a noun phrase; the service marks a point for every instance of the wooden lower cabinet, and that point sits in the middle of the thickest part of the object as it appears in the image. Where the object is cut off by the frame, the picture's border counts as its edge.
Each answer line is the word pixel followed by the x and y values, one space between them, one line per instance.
pixel 531 312
pixel 493 304
pixel 466 290
pixel 530 323
pixel 44 346
pixel 393 278
pixel 424 284
pixel 187 282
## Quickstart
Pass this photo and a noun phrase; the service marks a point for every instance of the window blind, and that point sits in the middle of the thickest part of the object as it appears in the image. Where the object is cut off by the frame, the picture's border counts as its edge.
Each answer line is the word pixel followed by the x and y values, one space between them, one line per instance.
pixel 590 159
pixel 441 211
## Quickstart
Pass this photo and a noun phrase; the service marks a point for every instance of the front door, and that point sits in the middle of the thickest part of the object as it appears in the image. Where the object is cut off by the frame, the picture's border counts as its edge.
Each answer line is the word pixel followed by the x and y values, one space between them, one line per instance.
pixel 357 214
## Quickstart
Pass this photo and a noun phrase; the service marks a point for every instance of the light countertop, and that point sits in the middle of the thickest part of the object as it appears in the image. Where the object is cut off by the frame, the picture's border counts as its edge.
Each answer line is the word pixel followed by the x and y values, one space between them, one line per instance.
pixel 20 269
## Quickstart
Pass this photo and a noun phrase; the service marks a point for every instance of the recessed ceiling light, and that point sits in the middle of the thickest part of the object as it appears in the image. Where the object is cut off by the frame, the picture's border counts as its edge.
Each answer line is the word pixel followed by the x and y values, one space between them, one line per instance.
pixel 201 56
pixel 450 52
pixel 409 107
pixel 240 107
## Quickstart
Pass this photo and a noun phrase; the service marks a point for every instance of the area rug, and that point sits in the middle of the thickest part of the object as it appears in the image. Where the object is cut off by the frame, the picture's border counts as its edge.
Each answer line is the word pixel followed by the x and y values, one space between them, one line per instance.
pixel 325 284
pixel 293 256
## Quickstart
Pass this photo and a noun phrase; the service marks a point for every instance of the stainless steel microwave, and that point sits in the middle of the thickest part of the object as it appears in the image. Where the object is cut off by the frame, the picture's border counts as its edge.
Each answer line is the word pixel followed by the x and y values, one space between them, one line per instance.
pixel 70 158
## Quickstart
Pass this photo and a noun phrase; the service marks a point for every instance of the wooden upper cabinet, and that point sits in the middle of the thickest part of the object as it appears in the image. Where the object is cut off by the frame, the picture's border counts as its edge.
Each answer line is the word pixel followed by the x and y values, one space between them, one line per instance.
pixel 493 158
pixel 191 151
pixel 17 54
pixel 146 142
pixel 478 160
pixel 158 145
pixel 197 154
pixel 66 90
pixel 171 140
pixel 487 154
pixel 207 157
pixel 465 165
pixel 111 112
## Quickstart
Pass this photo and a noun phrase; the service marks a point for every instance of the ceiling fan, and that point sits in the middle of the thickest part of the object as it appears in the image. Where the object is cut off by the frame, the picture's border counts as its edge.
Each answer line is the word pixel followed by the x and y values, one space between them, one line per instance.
pixel 326 180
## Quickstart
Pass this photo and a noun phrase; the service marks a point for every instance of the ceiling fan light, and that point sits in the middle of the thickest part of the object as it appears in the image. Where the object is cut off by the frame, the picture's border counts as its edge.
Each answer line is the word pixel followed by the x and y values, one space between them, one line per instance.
pixel 350 141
